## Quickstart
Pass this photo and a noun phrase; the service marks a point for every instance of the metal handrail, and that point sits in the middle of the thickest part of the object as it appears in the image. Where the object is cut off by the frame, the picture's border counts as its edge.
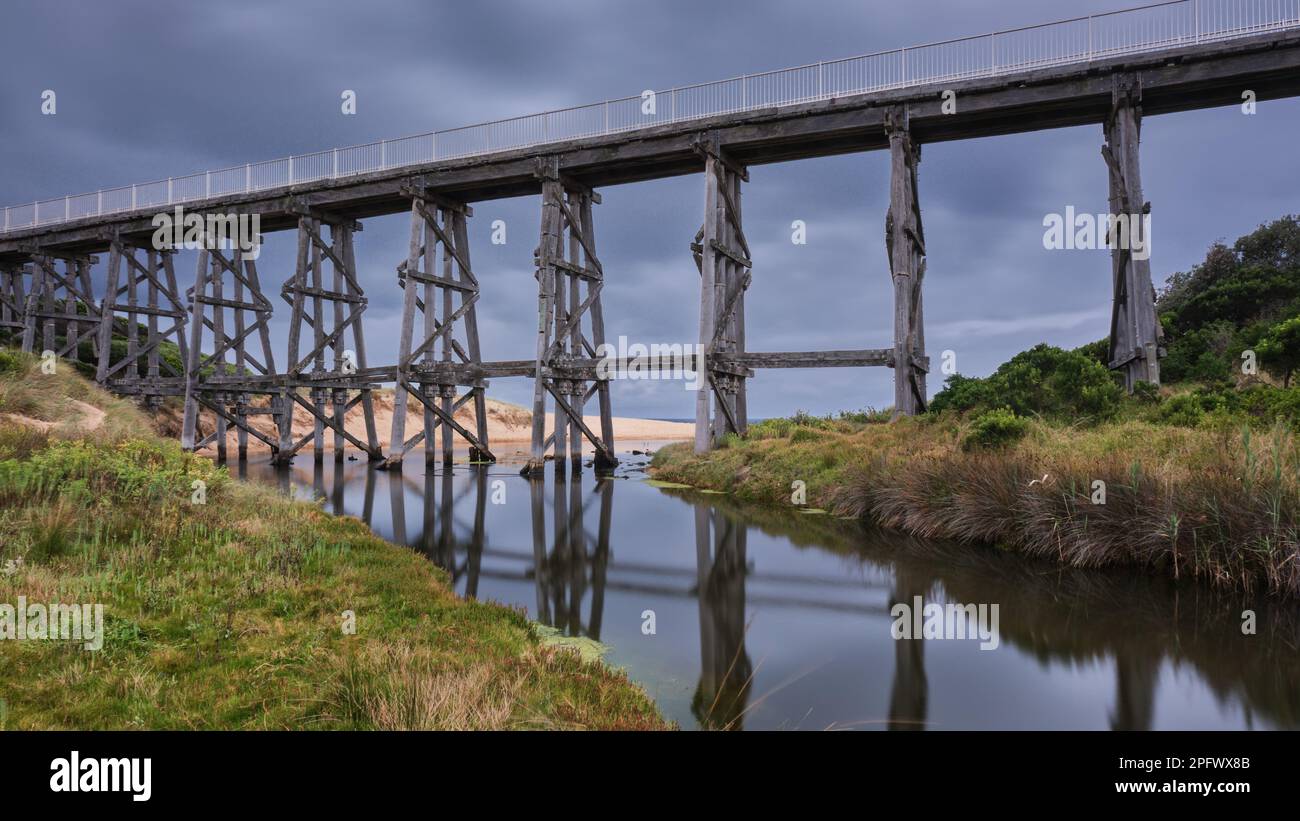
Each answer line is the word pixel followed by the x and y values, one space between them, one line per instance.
pixel 1076 40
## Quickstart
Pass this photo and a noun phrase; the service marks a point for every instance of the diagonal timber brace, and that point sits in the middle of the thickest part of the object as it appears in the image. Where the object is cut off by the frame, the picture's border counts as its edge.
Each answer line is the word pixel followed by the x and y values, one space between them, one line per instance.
pixel 566 260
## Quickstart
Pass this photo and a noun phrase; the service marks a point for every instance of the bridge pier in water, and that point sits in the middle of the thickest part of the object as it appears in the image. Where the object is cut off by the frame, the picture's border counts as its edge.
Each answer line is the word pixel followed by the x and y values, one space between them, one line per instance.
pixel 566 358
pixel 432 376
pixel 347 304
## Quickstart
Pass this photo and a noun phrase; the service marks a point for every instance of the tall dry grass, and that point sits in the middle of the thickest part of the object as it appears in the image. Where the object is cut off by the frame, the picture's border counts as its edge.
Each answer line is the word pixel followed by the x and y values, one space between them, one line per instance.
pixel 1220 504
pixel 1207 507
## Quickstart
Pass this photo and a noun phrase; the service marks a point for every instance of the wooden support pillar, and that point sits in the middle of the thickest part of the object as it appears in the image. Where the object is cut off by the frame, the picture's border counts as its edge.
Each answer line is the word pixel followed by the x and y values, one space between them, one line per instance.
pixel 60 304
pixel 566 261
pixel 142 373
pixel 905 243
pixel 212 381
pixel 1135 331
pixel 189 424
pixel 446 354
pixel 724 261
pixel 13 300
pixel 329 387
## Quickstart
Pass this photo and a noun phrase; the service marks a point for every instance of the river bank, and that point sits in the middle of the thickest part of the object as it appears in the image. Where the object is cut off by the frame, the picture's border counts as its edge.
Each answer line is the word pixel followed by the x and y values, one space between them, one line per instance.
pixel 228 606
pixel 1220 504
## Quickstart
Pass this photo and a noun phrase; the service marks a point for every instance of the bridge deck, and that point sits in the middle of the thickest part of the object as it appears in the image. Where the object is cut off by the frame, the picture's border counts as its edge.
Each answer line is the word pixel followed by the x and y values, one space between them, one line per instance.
pixel 1176 79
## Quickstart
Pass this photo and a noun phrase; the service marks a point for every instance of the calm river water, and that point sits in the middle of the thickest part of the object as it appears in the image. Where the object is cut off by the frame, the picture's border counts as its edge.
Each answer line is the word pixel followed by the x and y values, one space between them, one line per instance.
pixel 776 620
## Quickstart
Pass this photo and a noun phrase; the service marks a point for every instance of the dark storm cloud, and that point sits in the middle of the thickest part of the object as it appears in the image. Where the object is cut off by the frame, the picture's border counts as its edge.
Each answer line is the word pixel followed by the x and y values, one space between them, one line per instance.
pixel 151 90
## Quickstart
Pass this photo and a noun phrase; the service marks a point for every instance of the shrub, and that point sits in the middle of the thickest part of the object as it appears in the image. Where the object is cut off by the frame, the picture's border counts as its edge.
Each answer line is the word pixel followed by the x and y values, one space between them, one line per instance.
pixel 1279 350
pixel 1146 392
pixel 11 361
pixel 1043 381
pixel 962 394
pixel 994 429
pixel 1184 410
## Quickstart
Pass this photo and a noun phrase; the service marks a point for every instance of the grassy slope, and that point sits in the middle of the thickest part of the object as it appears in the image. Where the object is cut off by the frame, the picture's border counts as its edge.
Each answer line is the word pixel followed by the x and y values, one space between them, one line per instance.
pixel 1221 504
pixel 228 614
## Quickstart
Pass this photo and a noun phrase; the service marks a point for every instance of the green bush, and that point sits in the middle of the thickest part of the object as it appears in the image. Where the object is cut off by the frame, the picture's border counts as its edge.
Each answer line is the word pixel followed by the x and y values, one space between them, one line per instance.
pixel 1279 350
pixel 962 394
pixel 1043 381
pixel 994 429
pixel 1184 410
pixel 11 361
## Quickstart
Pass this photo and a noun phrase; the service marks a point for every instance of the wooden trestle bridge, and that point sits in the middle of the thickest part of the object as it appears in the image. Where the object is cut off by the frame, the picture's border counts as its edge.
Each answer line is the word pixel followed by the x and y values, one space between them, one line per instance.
pixel 1109 70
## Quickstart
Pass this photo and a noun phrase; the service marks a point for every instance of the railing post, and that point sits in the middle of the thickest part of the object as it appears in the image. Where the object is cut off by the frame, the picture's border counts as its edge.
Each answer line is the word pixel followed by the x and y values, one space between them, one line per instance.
pixel 903 54
pixel 1196 13
pixel 1089 38
pixel 433 148
pixel 169 190
pixel 607 116
pixel 291 169
pixel 99 205
pixel 821 79
pixel 993 53
pixel 383 154
pixel 674 104
pixel 207 184
pixel 67 208
pixel 336 163
pixel 133 206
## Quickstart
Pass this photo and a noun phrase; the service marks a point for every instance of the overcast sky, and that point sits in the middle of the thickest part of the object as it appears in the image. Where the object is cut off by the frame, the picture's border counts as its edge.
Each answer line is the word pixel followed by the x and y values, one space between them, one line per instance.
pixel 147 90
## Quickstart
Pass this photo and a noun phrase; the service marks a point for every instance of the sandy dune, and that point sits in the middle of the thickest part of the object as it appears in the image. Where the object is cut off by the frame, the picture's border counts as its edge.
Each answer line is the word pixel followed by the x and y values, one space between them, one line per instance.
pixel 507 425
pixel 88 418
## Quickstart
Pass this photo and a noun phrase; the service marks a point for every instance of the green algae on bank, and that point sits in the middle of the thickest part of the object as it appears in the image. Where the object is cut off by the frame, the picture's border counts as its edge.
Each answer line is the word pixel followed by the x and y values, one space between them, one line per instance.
pixel 588 649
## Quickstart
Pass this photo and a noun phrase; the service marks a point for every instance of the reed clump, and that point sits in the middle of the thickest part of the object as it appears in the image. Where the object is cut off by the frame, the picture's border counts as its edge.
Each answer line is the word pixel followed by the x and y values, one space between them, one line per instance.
pixel 1221 504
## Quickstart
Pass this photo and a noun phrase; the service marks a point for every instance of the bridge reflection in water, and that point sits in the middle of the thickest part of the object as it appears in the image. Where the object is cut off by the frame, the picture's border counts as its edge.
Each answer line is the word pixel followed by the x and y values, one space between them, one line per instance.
pixel 1142 654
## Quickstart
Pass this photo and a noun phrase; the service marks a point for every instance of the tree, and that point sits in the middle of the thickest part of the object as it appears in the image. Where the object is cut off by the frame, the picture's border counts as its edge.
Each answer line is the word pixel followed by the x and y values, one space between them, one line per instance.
pixel 1279 350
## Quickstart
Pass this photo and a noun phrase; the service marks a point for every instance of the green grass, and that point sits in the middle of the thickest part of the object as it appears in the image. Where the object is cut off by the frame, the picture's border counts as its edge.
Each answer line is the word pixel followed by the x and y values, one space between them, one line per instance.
pixel 229 614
